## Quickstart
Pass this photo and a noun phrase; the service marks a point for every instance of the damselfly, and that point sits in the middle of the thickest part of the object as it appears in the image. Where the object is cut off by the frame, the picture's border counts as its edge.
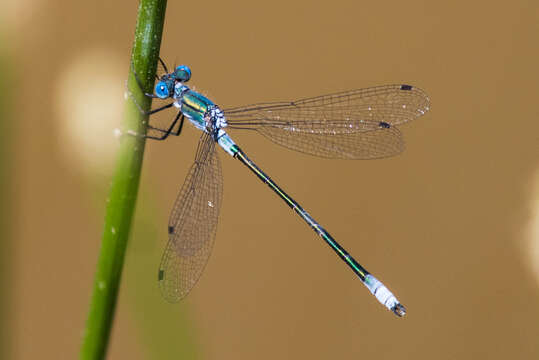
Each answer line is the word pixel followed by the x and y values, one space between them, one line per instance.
pixel 356 124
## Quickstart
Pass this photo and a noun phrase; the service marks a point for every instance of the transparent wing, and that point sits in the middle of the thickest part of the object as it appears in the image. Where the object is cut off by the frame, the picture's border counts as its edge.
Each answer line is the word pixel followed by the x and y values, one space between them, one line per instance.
pixel 376 143
pixel 192 224
pixel 356 124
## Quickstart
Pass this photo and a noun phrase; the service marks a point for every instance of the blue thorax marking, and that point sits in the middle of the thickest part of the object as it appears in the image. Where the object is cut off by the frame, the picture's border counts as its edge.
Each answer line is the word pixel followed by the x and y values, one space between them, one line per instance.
pixel 204 115
pixel 193 105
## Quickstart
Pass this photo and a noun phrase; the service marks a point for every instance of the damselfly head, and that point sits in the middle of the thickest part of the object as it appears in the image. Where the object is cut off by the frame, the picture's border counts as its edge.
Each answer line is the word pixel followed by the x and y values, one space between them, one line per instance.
pixel 165 87
pixel 182 73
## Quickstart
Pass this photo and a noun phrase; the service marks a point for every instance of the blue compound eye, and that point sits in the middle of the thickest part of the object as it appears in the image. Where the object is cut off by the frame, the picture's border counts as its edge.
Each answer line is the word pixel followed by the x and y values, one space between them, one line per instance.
pixel 182 73
pixel 161 90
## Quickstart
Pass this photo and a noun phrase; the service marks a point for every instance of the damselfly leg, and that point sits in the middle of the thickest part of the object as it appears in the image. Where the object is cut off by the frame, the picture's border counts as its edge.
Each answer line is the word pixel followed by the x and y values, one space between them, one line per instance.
pixel 163 130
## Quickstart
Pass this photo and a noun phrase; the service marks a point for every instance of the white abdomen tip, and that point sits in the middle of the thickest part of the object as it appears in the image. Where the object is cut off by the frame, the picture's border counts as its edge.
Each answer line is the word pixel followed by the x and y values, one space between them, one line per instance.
pixel 384 296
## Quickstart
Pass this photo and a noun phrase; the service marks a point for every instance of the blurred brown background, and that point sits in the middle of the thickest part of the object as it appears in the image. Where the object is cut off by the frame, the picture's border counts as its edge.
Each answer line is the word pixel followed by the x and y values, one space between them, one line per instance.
pixel 451 225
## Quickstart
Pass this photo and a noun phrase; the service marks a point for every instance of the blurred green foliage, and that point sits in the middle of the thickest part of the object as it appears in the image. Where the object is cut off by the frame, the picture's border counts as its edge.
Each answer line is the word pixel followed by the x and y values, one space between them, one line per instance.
pixel 165 329
pixel 6 193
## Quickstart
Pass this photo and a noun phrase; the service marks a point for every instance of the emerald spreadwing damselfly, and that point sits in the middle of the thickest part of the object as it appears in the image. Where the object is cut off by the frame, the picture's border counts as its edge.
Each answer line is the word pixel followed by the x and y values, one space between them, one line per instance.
pixel 355 124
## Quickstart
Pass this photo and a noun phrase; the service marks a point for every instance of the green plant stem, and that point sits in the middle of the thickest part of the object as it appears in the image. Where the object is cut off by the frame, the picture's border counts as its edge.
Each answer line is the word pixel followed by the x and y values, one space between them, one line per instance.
pixel 125 182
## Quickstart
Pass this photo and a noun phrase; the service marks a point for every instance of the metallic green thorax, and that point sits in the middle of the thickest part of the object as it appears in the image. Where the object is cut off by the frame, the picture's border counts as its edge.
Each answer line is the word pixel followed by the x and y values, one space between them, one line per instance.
pixel 195 106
